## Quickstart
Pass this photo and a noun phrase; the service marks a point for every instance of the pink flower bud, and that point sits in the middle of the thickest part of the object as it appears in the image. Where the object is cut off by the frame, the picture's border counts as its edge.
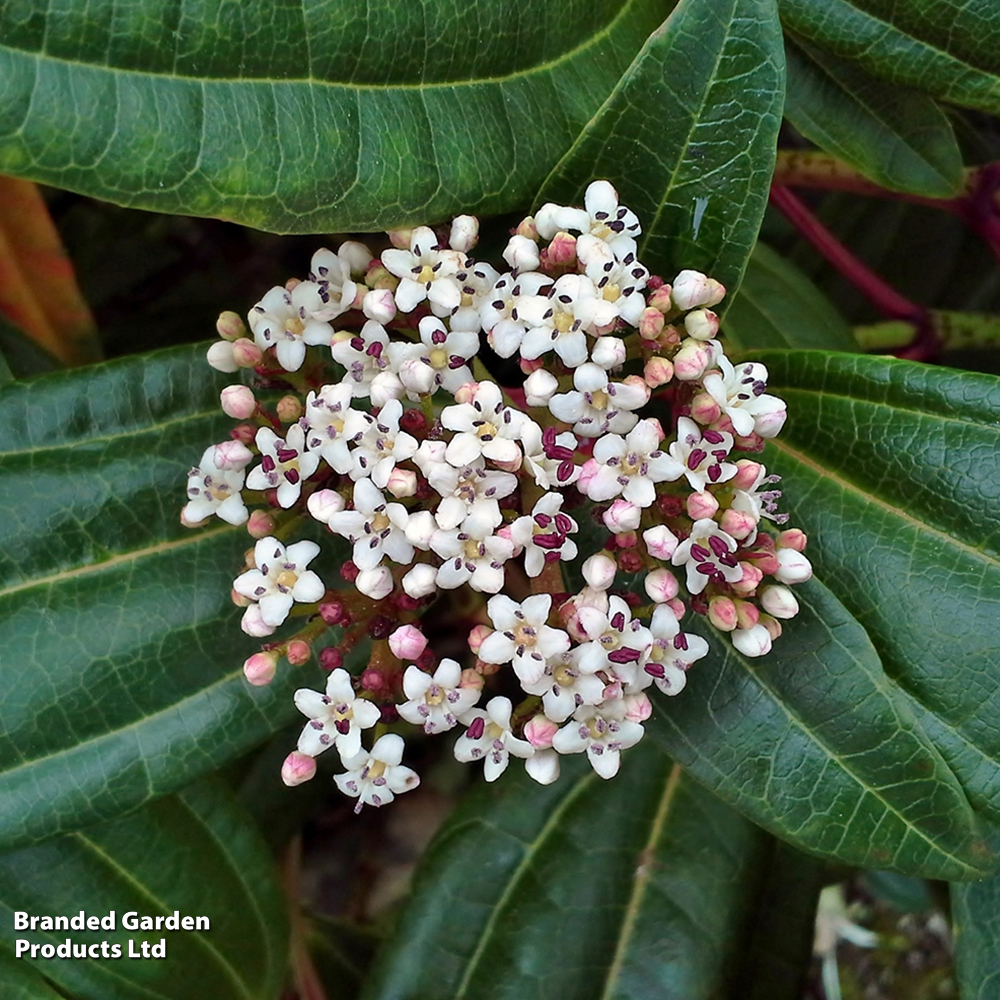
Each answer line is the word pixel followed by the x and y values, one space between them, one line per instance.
pixel 629 561
pixel 769 424
pixel 402 482
pixel 561 251
pixel 588 471
pixel 772 625
pixel 420 581
pixel 259 669
pixel 375 583
pixel 638 383
pixel 471 680
pixel 701 506
pixel 400 238
pixel 702 324
pixel 779 602
pixel 232 455
pixel 379 304
pixel 527 228
pixel 323 504
pixel 661 586
pixel 246 433
pixel 299 651
pixel 260 524
pixel 298 768
pixel 746 475
pixel 608 352
pixel 660 299
pixel 750 580
pixel 289 409
pixel 692 289
pixel 529 365
pixel 220 357
pixel 539 730
pixel 237 402
pixel 658 371
pixel 253 622
pixel 466 392
pixel 539 387
pixel 650 323
pixel 622 516
pixel 793 567
pixel 691 360
pixel 407 642
pixel 464 233
pixel 246 353
pixel 660 541
pixel 704 409
pixel 677 606
pixel 638 707
pixel 599 571
pixel 747 614
pixel 416 377
pixel 722 613
pixel 793 538
pixel 330 659
pixel 753 641
pixel 738 523
pixel 229 326
pixel 521 253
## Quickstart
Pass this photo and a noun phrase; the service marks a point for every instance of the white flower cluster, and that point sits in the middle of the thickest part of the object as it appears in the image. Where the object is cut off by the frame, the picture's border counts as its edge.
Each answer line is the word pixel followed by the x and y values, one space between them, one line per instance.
pixel 439 475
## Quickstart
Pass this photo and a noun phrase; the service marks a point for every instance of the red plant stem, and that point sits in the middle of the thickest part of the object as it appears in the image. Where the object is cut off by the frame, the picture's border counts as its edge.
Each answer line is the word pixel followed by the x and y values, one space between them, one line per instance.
pixel 885 298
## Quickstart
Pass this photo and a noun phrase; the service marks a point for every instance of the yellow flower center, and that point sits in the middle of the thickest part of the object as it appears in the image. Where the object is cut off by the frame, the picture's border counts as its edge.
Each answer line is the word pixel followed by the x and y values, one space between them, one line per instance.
pixel 426 274
pixel 287 578
pixel 379 523
pixel 438 358
pixel 563 321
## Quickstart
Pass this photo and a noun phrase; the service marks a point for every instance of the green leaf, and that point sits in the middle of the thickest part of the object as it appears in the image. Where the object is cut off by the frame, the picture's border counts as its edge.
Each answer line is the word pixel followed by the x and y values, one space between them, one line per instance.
pixel 893 469
pixel 778 306
pixel 975 909
pixel 688 137
pixel 945 47
pixel 324 117
pixel 646 885
pixel 196 853
pixel 22 357
pixel 22 982
pixel 895 136
pixel 815 743
pixel 127 681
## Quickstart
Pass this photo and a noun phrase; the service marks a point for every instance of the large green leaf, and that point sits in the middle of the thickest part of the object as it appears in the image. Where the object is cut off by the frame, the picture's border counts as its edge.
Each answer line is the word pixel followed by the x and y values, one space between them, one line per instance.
pixel 688 136
pixel 897 137
pixel 893 468
pixel 197 853
pixel 815 743
pixel 642 886
pixel 946 47
pixel 975 909
pixel 120 650
pixel 778 306
pixel 293 117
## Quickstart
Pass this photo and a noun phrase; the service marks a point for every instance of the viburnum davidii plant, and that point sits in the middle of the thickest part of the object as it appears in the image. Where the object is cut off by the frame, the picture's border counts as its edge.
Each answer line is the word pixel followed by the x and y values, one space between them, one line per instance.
pixel 397 439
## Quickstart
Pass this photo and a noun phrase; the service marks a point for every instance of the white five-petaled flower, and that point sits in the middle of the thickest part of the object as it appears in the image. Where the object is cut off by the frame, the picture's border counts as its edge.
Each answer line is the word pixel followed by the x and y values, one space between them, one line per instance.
pixel 485 427
pixel 333 273
pixel 439 361
pixel 287 321
pixel 470 492
pixel 213 490
pixel 501 312
pixel 632 465
pixel 618 280
pixel 544 534
pixel 280 578
pixel 703 454
pixel 489 738
pixel 332 425
pixel 740 394
pixel 375 528
pixel 708 555
pixel 382 445
pixel 602 216
pixel 476 281
pixel 375 777
pixel 548 455
pixel 618 643
pixel 567 684
pixel 522 637
pixel 427 273
pixel 601 730
pixel 365 355
pixel 436 701
pixel 284 464
pixel 471 554
pixel 672 653
pixel 598 405
pixel 336 718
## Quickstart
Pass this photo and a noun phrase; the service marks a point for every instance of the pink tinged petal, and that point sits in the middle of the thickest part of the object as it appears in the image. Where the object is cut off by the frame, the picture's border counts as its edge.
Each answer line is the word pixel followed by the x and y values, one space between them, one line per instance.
pixel 605 485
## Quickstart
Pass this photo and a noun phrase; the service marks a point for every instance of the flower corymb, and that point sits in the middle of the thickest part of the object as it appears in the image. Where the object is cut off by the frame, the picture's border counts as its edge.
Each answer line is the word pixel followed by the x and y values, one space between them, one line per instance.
pixel 436 486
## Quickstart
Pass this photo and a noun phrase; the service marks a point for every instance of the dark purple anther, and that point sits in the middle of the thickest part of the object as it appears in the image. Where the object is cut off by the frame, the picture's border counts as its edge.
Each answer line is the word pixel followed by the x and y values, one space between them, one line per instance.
pixel 374 350
pixel 719 547
pixel 565 469
pixel 654 669
pixel 680 641
pixel 699 553
pixel 543 520
pixel 714 471
pixel 357 343
pixel 455 362
pixel 438 337
pixel 624 655
pixel 292 475
pixel 563 524
pixel 342 726
pixel 696 457
pixel 712 437
pixel 548 541
pixel 267 463
pixel 287 454
pixel 707 568
pixel 476 728
pixel 618 622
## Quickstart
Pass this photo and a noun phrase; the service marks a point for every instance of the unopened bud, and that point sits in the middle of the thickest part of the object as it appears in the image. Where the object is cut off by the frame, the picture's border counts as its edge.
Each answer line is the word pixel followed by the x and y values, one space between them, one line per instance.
pixel 527 228
pixel 402 482
pixel 299 652
pixel 793 566
pixel 521 253
pixel 608 352
pixel 220 357
pixel 638 707
pixel 472 680
pixel 330 658
pixel 187 522
pixel 772 625
pixel 622 516
pixel 747 614
pixel 701 506
pixel 259 669
pixel 230 326
pixel 650 323
pixel 658 371
pixel 237 402
pixel 660 541
pixel 661 586
pixel 289 409
pixel 739 524
pixel 704 409
pixel 245 433
pixel 407 642
pixel 298 768
pixel 793 538
pixel 599 571
pixel 400 238
pixel 561 252
pixel 676 605
pixel 323 504
pixel 236 597
pixel 539 730
pixel 753 641
pixel 691 360
pixel 529 365
pixel 253 622
pixel 260 524
pixel 379 304
pixel 692 289
pixel 232 455
pixel 539 387
pixel 660 299
pixel 466 392
pixel 379 276
pixel 246 354
pixel 420 581
pixel 750 580
pixel 464 233
pixel 702 324
pixel 375 583
pixel 722 613
pixel 747 473
pixel 769 424
pixel 629 561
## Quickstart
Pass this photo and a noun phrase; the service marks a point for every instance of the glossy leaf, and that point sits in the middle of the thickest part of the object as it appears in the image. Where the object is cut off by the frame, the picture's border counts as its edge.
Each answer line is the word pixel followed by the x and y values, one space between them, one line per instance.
pixel 893 469
pixel 642 886
pixel 975 910
pixel 815 743
pixel 895 136
pixel 196 853
pixel 307 118
pixel 21 356
pixel 778 306
pixel 688 137
pixel 22 982
pixel 120 650
pixel 946 47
